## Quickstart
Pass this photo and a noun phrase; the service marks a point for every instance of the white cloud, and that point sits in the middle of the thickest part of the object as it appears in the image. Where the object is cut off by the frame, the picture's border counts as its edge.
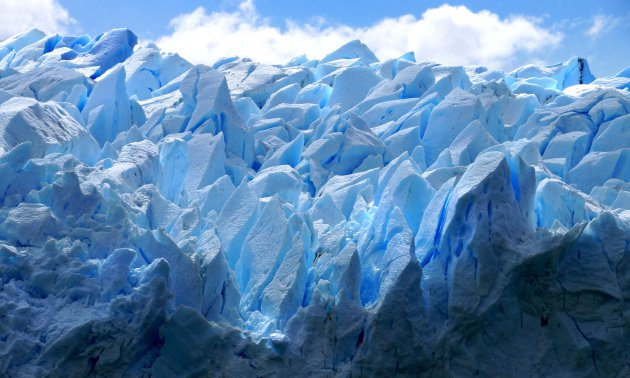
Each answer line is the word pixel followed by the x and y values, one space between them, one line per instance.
pixel 19 15
pixel 601 24
pixel 447 34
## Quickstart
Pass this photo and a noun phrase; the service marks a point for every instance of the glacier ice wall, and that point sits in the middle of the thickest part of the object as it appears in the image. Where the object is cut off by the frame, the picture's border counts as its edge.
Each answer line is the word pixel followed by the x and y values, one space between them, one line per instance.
pixel 342 217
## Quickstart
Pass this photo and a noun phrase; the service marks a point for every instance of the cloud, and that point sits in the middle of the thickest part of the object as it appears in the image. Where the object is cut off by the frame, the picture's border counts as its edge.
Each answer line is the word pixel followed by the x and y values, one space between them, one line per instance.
pixel 19 15
pixel 447 34
pixel 601 24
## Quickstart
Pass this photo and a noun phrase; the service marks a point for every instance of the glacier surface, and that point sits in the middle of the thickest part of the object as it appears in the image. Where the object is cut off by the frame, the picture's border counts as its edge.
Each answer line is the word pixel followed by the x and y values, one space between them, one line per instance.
pixel 342 217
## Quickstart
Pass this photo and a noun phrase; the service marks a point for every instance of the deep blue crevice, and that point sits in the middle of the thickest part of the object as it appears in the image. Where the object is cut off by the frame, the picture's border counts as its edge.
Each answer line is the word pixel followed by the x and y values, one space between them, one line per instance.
pixel 438 232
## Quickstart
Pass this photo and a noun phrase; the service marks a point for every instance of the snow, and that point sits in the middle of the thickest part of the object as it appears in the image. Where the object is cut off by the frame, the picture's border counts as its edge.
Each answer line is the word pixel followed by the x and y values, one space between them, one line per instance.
pixel 340 217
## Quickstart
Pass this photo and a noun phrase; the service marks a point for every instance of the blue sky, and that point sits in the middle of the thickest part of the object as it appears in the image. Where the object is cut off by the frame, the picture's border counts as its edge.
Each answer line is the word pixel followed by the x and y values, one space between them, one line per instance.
pixel 499 34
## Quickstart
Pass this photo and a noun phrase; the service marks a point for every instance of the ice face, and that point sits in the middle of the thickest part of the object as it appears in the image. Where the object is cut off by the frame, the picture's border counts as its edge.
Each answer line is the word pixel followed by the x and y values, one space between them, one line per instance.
pixel 147 70
pixel 57 83
pixel 351 50
pixel 103 52
pixel 340 217
pixel 47 126
pixel 558 76
pixel 107 111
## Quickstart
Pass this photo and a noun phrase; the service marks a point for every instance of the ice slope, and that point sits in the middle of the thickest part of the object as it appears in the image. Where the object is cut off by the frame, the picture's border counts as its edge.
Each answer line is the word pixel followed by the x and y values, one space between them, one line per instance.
pixel 342 217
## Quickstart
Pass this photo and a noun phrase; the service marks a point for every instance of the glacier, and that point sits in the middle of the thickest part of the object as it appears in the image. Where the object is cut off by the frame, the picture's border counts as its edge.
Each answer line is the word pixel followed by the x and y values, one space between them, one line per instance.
pixel 342 217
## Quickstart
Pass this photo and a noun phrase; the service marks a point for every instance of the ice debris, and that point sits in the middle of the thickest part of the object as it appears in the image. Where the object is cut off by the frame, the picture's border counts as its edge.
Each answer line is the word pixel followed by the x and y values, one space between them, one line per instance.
pixel 340 217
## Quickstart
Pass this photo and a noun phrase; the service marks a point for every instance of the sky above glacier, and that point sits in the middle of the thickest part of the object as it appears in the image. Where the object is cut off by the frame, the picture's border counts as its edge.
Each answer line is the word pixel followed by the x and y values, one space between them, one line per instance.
pixel 498 34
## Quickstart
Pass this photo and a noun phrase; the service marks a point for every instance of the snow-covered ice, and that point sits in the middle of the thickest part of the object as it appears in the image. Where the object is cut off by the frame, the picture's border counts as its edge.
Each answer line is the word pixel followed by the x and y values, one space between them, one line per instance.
pixel 342 217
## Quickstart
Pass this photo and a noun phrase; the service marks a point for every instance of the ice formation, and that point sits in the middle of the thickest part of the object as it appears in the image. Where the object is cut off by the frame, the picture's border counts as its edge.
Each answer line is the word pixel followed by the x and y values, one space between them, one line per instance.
pixel 342 217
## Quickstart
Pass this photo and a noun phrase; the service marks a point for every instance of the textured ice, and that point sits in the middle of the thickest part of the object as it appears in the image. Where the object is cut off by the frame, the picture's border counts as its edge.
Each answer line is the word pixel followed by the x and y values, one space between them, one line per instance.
pixel 46 126
pixel 342 217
